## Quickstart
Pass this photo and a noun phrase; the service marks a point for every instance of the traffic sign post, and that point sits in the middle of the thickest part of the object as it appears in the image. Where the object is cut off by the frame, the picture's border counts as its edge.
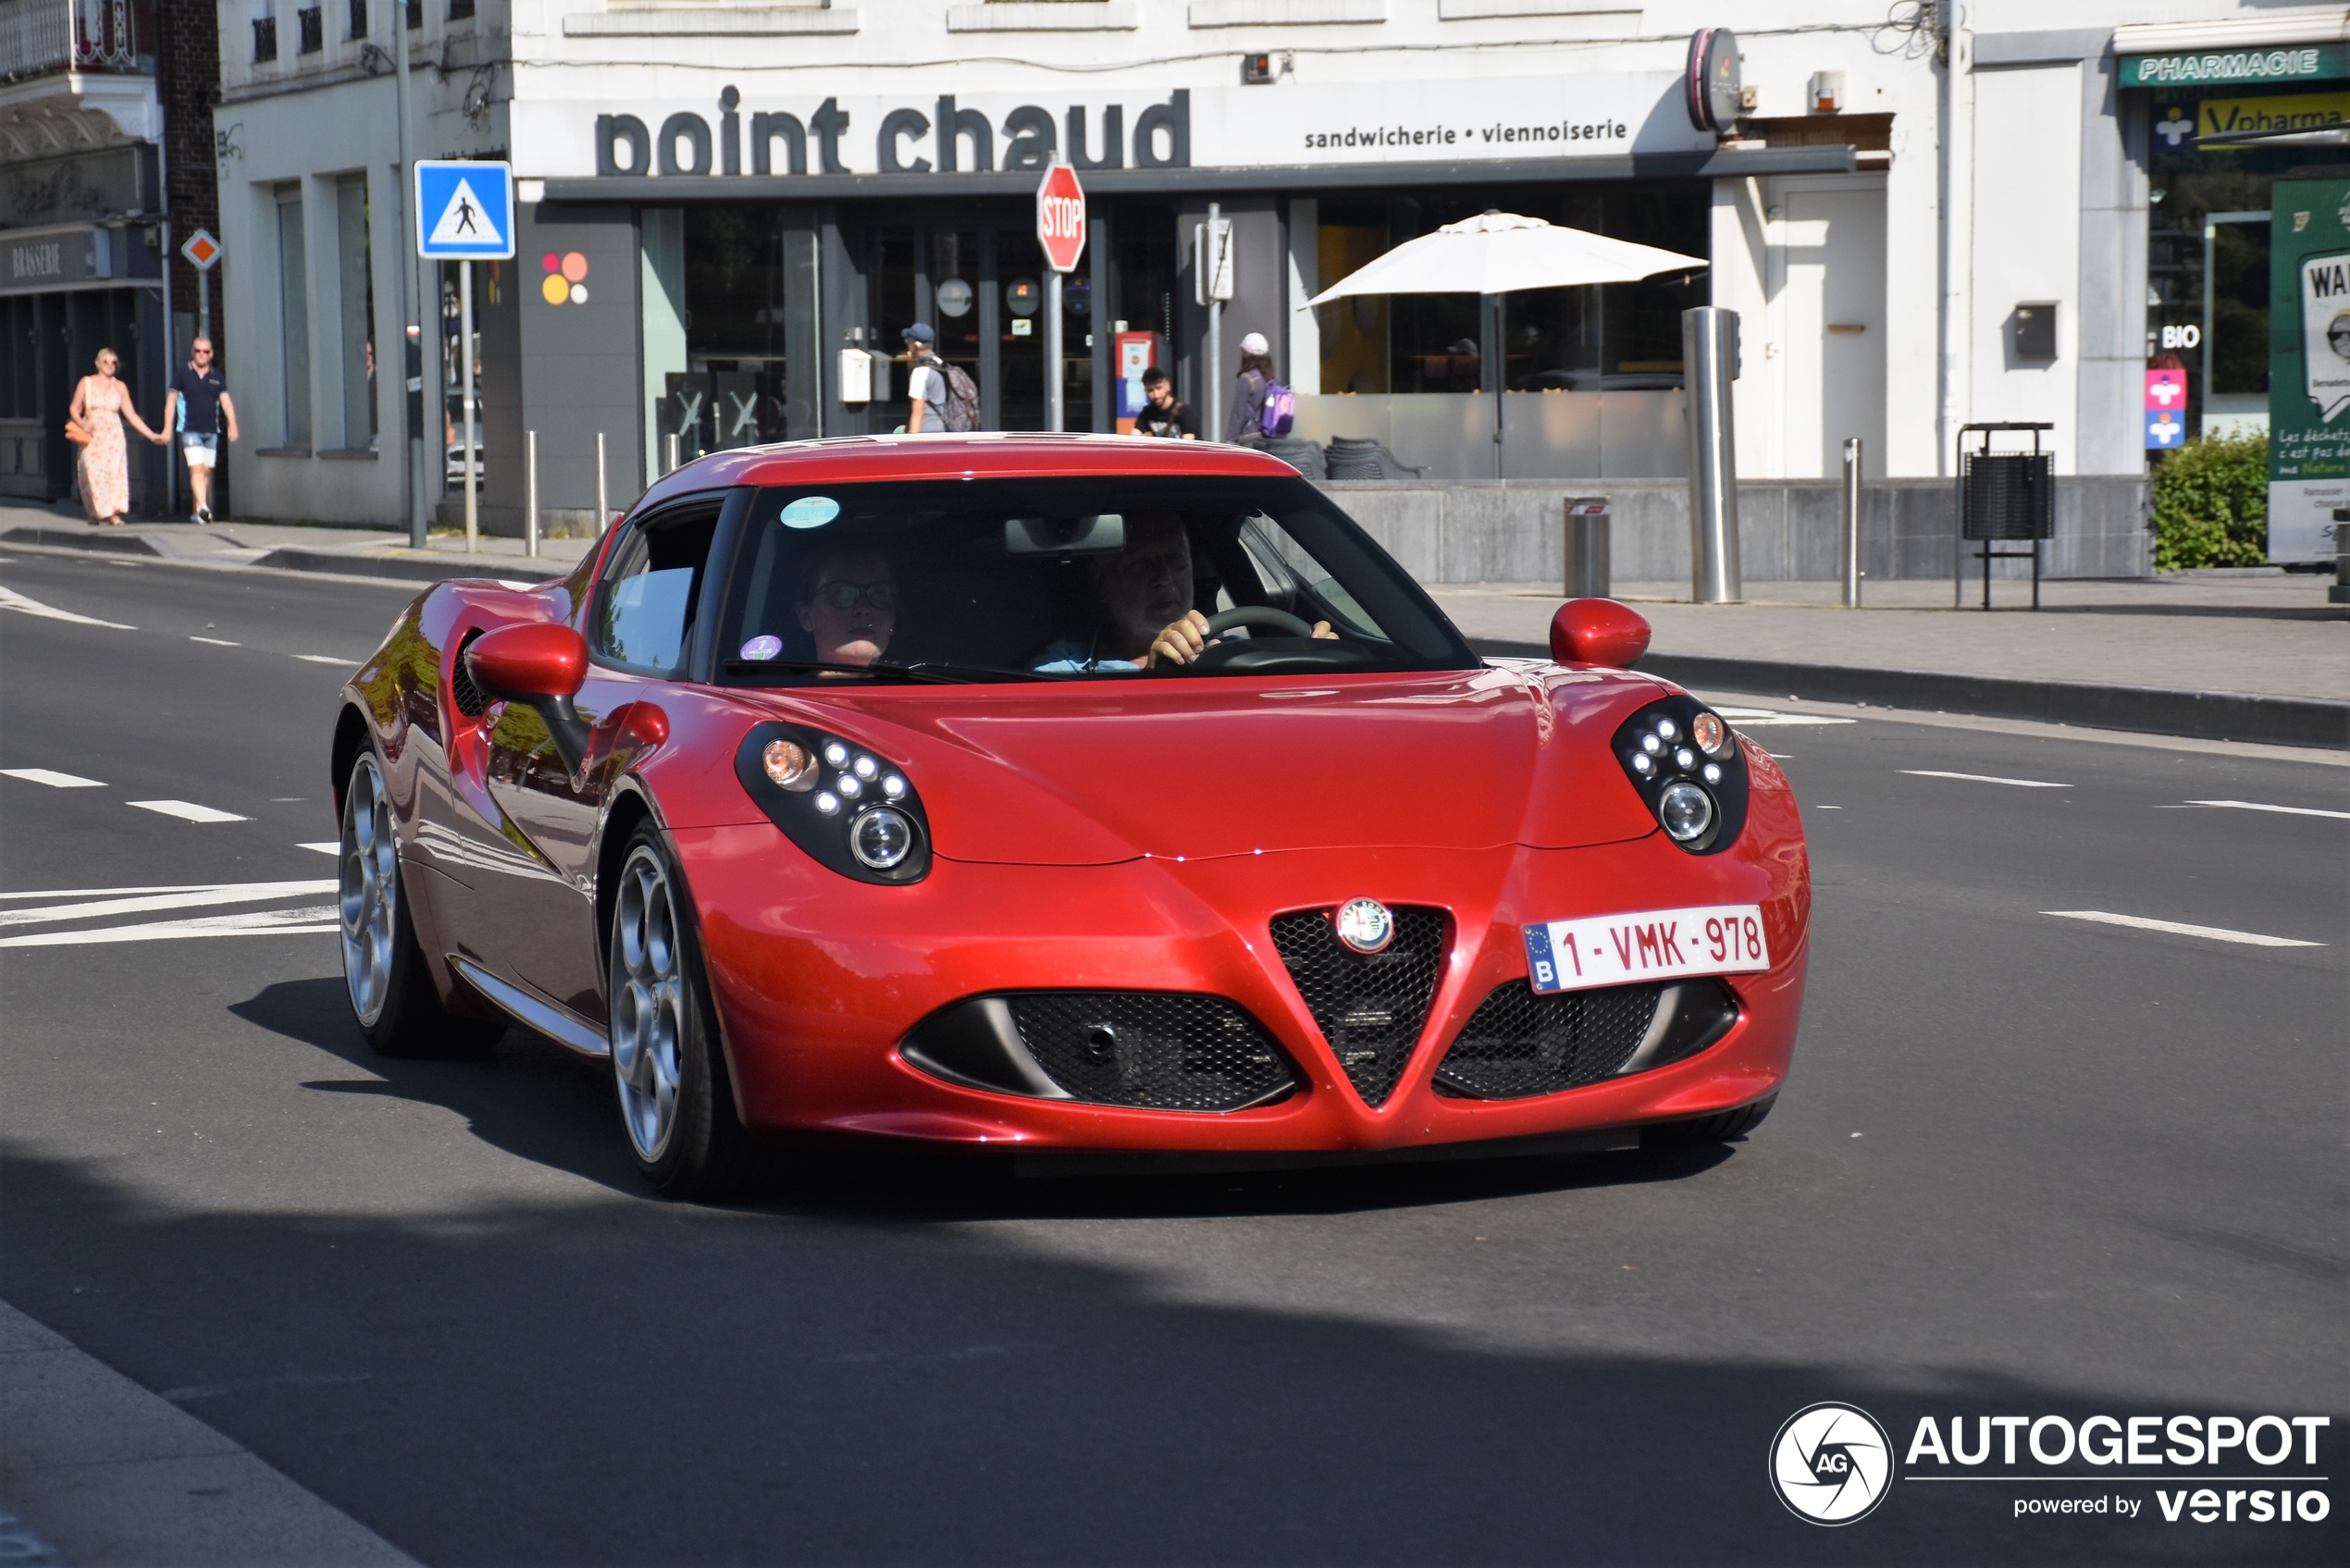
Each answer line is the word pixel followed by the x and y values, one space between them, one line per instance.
pixel 1061 229
pixel 465 212
pixel 203 253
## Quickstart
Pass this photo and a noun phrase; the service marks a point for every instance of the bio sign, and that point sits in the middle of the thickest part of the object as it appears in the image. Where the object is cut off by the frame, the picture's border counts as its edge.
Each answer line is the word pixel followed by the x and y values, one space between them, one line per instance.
pixel 2308 365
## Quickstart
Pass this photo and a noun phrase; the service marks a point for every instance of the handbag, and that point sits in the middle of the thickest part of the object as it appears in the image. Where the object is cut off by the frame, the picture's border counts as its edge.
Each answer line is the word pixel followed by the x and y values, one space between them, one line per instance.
pixel 78 432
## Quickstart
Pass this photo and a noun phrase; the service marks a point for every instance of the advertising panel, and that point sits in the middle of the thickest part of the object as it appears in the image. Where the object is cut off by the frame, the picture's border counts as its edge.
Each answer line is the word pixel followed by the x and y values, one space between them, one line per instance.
pixel 2309 367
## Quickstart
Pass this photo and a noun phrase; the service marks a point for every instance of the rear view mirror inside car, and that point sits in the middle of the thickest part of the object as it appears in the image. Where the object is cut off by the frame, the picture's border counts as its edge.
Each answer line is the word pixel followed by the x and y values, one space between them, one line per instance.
pixel 1098 534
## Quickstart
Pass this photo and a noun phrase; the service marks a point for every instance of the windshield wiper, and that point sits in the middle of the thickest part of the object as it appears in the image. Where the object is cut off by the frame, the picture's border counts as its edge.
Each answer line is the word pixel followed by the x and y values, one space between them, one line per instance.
pixel 927 671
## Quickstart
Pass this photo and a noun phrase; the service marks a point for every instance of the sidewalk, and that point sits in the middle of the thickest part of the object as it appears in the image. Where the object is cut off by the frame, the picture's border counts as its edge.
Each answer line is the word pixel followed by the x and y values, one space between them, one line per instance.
pixel 293 547
pixel 2228 658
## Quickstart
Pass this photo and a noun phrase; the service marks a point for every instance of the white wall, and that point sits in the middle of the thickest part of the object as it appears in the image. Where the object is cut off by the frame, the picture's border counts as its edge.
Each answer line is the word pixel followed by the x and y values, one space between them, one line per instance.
pixel 2027 246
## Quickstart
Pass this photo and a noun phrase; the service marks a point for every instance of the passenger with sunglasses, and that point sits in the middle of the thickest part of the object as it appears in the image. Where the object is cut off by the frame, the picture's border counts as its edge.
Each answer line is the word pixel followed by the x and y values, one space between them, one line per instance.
pixel 850 606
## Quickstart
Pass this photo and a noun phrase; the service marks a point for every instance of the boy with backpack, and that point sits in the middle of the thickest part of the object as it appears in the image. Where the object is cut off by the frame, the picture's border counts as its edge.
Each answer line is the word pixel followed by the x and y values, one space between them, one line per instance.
pixel 944 396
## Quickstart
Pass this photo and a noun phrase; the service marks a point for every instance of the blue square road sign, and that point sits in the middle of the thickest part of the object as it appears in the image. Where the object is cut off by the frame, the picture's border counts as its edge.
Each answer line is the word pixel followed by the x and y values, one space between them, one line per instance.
pixel 464 210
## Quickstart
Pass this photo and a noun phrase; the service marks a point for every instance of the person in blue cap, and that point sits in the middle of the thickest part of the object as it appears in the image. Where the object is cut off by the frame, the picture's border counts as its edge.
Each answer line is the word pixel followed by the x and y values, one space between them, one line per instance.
pixel 925 382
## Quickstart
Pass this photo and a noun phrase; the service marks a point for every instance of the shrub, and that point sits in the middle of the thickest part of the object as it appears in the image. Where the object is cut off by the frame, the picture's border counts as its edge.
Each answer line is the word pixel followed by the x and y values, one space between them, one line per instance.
pixel 2211 505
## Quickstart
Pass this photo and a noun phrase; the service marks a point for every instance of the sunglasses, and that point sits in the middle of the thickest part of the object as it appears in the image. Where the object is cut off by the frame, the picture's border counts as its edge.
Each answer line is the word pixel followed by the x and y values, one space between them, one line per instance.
pixel 848 596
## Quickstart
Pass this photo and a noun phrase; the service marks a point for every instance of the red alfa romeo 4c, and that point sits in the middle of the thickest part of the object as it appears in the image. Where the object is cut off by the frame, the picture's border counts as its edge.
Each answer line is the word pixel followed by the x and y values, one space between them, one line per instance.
pixel 1084 797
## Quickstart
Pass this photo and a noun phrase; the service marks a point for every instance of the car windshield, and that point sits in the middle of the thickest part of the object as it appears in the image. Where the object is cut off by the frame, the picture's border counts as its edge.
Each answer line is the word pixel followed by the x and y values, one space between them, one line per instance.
pixel 1067 579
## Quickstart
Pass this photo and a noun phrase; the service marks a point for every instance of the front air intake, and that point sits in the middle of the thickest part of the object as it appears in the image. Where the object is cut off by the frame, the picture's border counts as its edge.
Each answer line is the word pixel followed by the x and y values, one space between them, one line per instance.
pixel 1144 1050
pixel 1519 1043
pixel 1370 1006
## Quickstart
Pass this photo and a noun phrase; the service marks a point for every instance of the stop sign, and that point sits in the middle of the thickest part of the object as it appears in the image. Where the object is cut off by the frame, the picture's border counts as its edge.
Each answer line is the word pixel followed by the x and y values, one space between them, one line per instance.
pixel 1061 218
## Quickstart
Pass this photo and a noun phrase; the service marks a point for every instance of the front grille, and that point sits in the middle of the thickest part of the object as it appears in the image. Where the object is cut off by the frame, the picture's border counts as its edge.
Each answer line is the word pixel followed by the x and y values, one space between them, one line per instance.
pixel 470 699
pixel 1369 1006
pixel 1518 1042
pixel 1156 1050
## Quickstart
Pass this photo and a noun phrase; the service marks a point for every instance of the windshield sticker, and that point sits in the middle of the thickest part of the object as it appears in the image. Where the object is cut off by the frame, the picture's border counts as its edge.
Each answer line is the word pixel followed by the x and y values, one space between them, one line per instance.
pixel 763 647
pixel 810 512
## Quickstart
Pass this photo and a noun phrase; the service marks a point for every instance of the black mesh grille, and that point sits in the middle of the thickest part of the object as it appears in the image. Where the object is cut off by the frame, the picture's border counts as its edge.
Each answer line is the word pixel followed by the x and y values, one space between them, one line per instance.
pixel 469 698
pixel 1518 1044
pixel 1158 1050
pixel 1370 1006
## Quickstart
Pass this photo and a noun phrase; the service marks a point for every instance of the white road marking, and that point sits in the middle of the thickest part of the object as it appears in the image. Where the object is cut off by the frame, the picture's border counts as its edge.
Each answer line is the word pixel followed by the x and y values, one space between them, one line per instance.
pixel 325 658
pixel 187 811
pixel 2257 806
pixel 328 847
pixel 263 922
pixel 1983 778
pixel 2216 933
pixel 230 892
pixel 11 599
pixel 217 642
pixel 54 778
pixel 117 892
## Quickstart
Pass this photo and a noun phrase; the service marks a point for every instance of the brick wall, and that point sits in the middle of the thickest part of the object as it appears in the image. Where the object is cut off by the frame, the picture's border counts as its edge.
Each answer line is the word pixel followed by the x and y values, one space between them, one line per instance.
pixel 187 81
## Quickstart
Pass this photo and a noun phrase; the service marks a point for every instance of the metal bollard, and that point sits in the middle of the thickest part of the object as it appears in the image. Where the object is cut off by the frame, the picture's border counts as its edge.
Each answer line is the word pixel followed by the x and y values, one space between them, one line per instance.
pixel 603 500
pixel 530 492
pixel 1709 358
pixel 1586 547
pixel 670 447
pixel 1848 552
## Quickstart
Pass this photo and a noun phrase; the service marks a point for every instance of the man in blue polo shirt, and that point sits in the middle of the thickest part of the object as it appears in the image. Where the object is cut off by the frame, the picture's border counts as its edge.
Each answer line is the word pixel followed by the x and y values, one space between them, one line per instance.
pixel 193 410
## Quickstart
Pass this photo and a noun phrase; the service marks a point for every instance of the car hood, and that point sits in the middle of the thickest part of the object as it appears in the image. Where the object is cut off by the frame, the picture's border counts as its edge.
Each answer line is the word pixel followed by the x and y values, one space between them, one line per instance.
pixel 1087 774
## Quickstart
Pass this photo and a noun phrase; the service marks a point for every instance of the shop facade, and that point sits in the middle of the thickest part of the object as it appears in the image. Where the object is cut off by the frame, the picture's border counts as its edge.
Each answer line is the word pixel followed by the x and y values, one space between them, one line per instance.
pixel 725 210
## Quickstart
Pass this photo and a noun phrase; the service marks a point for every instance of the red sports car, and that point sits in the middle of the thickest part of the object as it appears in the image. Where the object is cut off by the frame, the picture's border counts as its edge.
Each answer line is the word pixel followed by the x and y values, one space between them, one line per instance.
pixel 1085 797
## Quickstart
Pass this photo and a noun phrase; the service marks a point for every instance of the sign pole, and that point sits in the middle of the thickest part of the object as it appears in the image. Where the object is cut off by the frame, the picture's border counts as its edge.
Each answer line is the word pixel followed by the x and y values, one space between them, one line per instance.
pixel 411 284
pixel 203 304
pixel 1215 431
pixel 1053 365
pixel 473 452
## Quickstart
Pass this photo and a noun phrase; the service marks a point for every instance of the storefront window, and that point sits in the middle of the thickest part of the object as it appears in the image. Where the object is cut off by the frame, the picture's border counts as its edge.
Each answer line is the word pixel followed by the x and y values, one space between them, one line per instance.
pixel 729 329
pixel 2207 247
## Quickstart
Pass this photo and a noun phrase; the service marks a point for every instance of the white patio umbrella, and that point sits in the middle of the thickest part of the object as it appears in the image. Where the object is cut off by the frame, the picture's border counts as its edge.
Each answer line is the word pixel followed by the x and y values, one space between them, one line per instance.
pixel 1496 253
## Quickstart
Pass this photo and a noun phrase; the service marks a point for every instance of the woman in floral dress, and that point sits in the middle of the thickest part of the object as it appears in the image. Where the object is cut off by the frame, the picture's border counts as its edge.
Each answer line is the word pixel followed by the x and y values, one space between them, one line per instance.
pixel 103 473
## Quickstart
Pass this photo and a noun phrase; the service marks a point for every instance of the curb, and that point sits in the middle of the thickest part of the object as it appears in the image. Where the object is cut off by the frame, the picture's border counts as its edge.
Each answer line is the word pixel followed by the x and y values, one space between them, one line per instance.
pixel 411 569
pixel 107 539
pixel 2205 715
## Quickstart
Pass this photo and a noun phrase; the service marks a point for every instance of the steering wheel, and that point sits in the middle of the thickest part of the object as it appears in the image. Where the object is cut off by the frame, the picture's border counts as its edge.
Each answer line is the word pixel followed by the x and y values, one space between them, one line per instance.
pixel 1257 615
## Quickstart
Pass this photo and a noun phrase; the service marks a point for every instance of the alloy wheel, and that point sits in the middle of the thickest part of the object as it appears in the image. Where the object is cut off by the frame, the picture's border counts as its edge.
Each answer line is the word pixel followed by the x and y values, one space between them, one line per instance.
pixel 648 1011
pixel 368 873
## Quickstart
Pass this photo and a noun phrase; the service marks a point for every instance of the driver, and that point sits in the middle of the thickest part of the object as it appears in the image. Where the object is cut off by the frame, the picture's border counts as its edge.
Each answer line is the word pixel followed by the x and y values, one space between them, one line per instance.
pixel 849 610
pixel 1147 590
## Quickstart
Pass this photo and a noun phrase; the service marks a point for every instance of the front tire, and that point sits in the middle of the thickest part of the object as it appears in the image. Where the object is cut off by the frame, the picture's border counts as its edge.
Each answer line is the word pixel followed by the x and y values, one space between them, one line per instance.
pixel 383 969
pixel 669 1070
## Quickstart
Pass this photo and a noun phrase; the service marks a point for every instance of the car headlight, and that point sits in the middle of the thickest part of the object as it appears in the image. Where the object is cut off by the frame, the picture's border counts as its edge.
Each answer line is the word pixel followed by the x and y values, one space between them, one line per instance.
pixel 852 809
pixel 1687 765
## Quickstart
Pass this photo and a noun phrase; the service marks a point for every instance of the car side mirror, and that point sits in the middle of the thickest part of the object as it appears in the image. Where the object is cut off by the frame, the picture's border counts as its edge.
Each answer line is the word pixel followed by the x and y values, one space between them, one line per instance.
pixel 541 666
pixel 1598 631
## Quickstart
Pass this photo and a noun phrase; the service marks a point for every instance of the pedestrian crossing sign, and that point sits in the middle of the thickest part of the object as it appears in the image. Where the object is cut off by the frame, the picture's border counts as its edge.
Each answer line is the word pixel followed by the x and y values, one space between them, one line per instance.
pixel 464 209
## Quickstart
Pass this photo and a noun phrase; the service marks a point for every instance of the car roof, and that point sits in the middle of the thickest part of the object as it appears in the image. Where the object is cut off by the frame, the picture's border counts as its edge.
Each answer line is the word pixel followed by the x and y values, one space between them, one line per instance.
pixel 845 459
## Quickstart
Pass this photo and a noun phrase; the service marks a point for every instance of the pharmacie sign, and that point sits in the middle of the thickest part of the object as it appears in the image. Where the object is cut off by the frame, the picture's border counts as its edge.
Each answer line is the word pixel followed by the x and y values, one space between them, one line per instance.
pixel 731 131
pixel 2236 68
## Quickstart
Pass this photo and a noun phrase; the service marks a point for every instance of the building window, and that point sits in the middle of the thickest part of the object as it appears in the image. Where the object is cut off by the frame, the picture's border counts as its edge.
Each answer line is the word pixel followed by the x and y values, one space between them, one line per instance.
pixel 264 40
pixel 314 29
pixel 461 10
pixel 357 315
pixel 294 309
pixel 358 19
pixel 415 15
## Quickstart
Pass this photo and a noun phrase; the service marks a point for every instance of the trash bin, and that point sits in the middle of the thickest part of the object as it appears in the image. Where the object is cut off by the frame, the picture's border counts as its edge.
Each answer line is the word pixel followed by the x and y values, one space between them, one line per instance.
pixel 1587 548
pixel 2003 496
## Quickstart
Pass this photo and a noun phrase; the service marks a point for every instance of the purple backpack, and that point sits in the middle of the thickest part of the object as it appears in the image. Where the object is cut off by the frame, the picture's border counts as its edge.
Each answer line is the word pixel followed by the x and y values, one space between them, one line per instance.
pixel 1280 410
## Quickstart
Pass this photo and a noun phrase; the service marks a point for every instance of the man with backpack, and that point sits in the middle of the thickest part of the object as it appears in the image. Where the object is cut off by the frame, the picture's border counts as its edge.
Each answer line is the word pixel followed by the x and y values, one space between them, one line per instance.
pixel 1262 408
pixel 1164 416
pixel 944 396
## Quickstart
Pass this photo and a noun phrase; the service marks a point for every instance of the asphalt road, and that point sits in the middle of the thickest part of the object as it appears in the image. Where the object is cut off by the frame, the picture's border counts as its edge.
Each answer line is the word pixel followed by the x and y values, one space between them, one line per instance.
pixel 2027 1166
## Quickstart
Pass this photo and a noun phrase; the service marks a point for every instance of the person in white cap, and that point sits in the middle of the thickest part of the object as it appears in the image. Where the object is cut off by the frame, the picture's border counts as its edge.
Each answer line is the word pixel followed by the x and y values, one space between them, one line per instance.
pixel 1248 399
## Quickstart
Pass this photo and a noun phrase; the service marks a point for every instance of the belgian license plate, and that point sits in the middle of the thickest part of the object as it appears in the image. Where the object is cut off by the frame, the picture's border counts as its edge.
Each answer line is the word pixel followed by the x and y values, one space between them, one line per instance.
pixel 1652 944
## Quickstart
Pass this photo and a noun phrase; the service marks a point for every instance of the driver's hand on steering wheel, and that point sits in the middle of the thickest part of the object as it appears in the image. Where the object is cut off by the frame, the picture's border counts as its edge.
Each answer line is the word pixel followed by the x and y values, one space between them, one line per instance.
pixel 1185 639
